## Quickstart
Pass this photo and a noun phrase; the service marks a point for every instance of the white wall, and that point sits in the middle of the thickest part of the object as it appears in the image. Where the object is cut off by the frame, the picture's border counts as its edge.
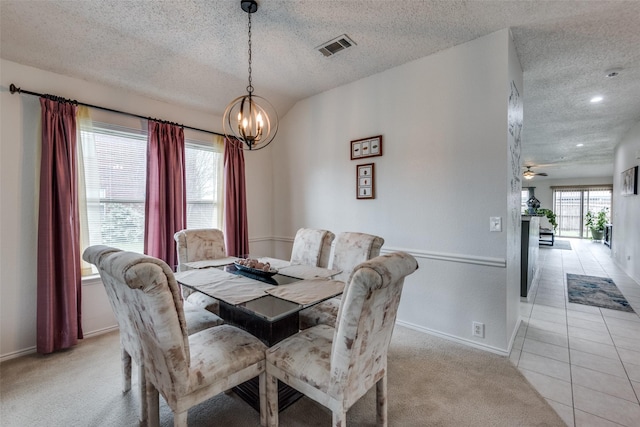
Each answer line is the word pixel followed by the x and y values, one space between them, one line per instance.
pixel 515 110
pixel 544 193
pixel 626 209
pixel 443 173
pixel 19 157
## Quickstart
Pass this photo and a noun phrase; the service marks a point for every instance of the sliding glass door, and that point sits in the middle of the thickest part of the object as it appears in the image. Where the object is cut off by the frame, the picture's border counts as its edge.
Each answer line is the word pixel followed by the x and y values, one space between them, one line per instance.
pixel 570 204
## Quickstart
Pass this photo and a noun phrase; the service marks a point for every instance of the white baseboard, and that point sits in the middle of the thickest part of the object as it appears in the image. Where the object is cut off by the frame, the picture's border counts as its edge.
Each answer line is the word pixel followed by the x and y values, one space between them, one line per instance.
pixel 453 338
pixel 31 350
pixel 18 353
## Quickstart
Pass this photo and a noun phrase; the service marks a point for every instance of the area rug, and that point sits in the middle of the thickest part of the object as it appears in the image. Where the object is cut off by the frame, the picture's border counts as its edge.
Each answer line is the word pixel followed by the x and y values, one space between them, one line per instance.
pixel 596 291
pixel 558 244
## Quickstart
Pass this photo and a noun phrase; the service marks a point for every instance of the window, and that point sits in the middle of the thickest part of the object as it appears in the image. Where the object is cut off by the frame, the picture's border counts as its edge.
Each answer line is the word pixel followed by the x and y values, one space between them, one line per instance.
pixel 114 163
pixel 203 177
pixel 572 203
pixel 524 196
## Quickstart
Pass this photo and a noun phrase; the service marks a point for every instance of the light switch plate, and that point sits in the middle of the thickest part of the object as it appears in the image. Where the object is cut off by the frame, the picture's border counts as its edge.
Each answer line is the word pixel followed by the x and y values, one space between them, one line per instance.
pixel 495 223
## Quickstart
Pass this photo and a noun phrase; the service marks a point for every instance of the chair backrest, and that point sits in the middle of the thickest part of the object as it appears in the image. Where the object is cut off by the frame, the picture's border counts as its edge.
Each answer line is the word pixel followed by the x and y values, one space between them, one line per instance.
pixel 365 324
pixel 351 249
pixel 146 299
pixel 95 255
pixel 198 245
pixel 312 247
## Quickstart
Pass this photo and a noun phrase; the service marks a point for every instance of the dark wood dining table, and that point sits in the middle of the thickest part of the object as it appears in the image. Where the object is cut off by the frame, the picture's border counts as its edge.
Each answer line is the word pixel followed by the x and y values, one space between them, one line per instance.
pixel 265 305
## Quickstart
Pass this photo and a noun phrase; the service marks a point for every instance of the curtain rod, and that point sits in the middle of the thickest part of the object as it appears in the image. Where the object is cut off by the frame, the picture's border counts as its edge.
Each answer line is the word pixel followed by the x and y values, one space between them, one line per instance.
pixel 13 89
pixel 581 187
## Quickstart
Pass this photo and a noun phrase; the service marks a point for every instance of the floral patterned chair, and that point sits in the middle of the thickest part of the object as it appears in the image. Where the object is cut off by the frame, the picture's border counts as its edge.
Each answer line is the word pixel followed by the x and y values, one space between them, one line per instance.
pixel 197 319
pixel 337 366
pixel 198 245
pixel 185 369
pixel 312 247
pixel 350 250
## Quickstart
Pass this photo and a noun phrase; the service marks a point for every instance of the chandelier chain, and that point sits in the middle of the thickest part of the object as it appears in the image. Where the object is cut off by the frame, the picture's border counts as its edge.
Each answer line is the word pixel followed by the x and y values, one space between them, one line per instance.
pixel 250 87
pixel 250 118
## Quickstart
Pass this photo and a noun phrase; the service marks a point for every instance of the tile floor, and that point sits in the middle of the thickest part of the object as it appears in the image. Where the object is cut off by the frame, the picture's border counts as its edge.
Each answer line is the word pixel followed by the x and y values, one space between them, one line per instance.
pixel 584 360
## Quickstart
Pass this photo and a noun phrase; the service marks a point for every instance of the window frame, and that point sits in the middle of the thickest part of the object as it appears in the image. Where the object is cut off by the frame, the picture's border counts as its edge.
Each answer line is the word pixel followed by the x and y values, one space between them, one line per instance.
pixel 193 140
pixel 583 207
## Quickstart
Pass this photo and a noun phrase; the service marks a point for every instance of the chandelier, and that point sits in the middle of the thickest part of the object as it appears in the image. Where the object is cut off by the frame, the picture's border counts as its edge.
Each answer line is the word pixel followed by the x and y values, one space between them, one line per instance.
pixel 250 118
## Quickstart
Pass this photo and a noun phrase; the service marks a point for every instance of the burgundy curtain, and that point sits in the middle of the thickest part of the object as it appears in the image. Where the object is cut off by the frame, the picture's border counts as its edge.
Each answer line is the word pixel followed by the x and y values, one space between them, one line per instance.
pixel 236 229
pixel 59 280
pixel 166 200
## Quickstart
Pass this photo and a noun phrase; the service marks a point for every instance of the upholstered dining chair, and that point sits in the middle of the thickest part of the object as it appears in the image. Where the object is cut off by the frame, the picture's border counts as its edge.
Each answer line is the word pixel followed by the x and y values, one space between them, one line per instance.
pixel 337 366
pixel 312 246
pixel 185 369
pixel 198 245
pixel 350 250
pixel 196 318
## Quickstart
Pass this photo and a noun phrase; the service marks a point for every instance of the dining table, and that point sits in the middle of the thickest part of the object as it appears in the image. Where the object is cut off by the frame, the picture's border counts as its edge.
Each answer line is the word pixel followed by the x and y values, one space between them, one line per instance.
pixel 264 303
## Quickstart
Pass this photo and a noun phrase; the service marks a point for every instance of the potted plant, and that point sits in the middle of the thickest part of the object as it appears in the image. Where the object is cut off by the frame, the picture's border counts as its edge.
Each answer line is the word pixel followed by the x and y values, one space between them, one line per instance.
pixel 596 222
pixel 550 216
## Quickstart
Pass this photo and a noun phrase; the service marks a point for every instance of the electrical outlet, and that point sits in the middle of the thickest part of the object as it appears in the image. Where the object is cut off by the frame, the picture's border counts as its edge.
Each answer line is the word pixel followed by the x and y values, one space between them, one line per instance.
pixel 478 329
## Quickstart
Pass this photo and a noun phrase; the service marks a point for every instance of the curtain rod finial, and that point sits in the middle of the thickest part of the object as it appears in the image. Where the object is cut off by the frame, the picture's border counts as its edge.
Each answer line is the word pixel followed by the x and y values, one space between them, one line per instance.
pixel 13 89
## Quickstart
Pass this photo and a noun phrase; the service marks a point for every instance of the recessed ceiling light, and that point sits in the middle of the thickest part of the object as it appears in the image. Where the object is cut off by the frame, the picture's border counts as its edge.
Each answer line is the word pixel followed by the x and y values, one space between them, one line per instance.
pixel 596 99
pixel 614 72
pixel 579 145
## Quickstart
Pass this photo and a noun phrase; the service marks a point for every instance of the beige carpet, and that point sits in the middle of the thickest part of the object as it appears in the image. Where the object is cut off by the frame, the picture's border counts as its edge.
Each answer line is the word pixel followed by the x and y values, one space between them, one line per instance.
pixel 432 382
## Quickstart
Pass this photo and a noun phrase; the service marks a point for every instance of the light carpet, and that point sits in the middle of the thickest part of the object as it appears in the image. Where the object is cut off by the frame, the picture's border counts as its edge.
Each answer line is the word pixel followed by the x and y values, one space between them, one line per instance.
pixel 596 291
pixel 432 382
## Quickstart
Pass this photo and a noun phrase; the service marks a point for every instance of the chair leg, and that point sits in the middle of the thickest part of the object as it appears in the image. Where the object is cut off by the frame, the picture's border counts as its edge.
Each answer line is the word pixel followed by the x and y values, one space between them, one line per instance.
pixel 142 392
pixel 263 398
pixel 272 400
pixel 126 370
pixel 153 406
pixel 180 420
pixel 381 401
pixel 339 419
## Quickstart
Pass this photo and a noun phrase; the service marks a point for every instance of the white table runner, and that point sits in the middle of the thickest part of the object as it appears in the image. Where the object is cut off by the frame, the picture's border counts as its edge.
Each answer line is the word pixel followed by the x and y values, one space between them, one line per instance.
pixel 230 288
pixel 207 263
pixel 307 272
pixel 308 291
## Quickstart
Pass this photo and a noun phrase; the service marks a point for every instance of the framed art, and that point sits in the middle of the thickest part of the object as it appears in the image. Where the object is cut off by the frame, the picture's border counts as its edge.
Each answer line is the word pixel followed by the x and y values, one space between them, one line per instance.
pixel 366 147
pixel 365 181
pixel 630 181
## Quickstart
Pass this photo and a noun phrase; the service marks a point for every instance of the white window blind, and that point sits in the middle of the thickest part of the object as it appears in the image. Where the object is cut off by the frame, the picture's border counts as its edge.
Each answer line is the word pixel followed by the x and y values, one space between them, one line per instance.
pixel 115 175
pixel 203 166
pixel 114 163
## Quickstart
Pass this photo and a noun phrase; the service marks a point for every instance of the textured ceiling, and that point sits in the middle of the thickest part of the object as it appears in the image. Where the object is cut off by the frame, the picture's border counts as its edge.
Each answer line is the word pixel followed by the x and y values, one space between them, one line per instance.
pixel 195 53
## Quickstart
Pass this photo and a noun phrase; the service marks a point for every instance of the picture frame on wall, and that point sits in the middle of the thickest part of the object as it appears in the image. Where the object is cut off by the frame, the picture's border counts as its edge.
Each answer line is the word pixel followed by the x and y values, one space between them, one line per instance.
pixel 366 147
pixel 630 181
pixel 365 181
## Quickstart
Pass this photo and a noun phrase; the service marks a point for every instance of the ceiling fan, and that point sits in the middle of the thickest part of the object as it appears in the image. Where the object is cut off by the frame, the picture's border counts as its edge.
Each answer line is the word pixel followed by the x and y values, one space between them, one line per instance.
pixel 529 174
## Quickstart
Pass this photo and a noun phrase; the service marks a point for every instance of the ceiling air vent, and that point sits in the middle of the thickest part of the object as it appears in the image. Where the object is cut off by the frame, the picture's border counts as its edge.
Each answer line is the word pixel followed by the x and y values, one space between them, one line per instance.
pixel 336 45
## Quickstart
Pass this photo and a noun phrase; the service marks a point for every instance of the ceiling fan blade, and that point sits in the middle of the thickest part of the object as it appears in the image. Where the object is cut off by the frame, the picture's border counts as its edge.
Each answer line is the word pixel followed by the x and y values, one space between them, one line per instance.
pixel 541 173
